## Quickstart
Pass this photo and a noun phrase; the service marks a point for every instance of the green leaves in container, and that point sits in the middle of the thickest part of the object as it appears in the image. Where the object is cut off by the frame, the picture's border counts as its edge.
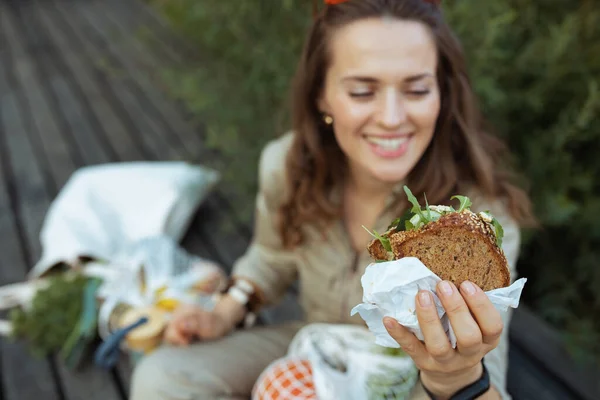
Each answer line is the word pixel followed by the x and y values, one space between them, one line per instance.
pixel 465 202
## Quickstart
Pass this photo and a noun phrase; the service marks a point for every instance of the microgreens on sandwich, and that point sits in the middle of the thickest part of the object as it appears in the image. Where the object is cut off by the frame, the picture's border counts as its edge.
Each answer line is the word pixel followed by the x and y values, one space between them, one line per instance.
pixel 417 216
pixel 416 209
pixel 385 242
pixel 499 232
pixel 465 202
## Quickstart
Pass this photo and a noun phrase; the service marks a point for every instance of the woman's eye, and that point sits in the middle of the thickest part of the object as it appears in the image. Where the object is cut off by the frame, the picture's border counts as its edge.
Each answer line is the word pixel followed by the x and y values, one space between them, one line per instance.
pixel 361 94
pixel 418 92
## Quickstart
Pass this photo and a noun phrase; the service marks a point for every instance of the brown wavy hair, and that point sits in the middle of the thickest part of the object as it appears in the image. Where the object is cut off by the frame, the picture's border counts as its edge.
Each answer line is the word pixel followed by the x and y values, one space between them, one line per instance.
pixel 461 155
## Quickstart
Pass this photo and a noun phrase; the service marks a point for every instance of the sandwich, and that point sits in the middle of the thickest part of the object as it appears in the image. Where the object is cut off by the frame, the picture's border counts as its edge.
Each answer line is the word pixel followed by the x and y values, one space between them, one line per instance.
pixel 455 244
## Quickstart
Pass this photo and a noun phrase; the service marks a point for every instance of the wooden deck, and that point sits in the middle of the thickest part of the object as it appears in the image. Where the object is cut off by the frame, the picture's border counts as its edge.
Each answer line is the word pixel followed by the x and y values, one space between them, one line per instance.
pixel 77 88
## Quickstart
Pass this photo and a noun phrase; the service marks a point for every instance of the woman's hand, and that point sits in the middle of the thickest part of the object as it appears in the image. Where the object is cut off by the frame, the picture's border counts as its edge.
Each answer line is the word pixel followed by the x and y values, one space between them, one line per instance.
pixel 190 322
pixel 476 323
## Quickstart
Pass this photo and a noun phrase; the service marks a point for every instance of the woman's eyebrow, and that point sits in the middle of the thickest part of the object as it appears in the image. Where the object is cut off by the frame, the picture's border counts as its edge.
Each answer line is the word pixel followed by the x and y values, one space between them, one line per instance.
pixel 367 79
pixel 418 77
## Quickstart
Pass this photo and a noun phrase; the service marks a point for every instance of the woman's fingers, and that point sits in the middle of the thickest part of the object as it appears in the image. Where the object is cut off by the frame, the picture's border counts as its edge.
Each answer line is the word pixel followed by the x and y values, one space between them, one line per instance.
pixel 487 317
pixel 184 326
pixel 436 340
pixel 468 334
pixel 175 336
pixel 407 341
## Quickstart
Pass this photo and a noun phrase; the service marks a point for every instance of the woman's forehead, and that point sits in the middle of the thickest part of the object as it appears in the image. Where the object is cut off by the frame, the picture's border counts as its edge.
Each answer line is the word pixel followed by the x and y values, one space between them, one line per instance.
pixel 383 48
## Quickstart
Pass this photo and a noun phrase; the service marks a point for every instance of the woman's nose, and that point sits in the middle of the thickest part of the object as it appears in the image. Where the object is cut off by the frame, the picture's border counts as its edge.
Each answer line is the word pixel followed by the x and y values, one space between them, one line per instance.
pixel 391 113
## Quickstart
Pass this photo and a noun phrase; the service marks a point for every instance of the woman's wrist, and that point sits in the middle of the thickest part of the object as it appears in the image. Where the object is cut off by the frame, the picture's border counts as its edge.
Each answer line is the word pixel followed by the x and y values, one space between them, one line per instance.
pixel 443 386
pixel 231 311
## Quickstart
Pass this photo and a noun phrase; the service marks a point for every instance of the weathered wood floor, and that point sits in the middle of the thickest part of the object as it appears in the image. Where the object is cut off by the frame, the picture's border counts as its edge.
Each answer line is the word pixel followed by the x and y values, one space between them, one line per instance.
pixel 77 88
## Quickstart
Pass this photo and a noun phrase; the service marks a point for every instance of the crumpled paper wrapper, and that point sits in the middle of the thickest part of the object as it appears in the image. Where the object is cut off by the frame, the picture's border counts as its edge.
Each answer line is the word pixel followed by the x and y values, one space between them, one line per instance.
pixel 390 288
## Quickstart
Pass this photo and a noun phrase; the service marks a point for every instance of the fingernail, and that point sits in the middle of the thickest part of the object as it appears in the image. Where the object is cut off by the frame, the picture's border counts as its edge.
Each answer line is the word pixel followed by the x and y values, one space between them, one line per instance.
pixel 389 324
pixel 424 299
pixel 468 288
pixel 446 288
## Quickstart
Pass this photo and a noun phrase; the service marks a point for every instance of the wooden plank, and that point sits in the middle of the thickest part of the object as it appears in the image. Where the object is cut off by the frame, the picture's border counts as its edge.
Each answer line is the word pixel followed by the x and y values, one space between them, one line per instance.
pixel 153 126
pixel 545 347
pixel 53 146
pixel 23 377
pixel 119 90
pixel 148 24
pixel 90 84
pixel 125 17
pixel 62 99
pixel 127 52
pixel 158 48
pixel 33 197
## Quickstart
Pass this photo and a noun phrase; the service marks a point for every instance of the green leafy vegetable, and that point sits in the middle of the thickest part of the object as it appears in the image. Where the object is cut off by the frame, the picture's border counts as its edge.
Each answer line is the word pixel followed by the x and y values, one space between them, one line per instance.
pixel 427 208
pixel 465 202
pixel 400 223
pixel 54 313
pixel 416 217
pixel 413 200
pixel 499 231
pixel 385 242
pixel 395 223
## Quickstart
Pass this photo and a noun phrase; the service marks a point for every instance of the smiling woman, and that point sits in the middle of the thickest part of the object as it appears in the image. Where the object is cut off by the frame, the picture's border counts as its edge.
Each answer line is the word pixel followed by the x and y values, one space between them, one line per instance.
pixel 386 84
pixel 381 99
pixel 380 107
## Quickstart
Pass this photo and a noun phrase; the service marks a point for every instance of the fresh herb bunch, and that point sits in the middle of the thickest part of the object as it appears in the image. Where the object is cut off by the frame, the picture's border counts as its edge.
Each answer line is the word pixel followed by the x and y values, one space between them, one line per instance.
pixel 54 313
pixel 418 216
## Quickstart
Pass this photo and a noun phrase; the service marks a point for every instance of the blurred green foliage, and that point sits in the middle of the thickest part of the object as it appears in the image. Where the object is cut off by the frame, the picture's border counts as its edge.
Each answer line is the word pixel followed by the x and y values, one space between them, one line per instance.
pixel 52 316
pixel 536 68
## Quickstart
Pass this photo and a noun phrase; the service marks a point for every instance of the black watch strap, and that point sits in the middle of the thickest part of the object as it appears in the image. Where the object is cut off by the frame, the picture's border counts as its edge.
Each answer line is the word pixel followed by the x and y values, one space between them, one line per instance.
pixel 471 391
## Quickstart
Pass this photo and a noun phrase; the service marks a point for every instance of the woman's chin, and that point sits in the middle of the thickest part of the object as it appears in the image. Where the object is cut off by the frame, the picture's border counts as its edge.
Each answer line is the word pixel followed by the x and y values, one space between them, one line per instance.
pixel 389 175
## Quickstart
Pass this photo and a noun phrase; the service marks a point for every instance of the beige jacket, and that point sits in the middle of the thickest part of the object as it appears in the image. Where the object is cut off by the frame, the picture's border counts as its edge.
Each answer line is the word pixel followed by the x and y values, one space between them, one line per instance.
pixel 329 271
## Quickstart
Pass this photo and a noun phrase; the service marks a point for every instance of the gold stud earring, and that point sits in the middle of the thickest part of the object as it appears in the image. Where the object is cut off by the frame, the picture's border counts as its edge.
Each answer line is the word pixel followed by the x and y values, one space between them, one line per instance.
pixel 328 119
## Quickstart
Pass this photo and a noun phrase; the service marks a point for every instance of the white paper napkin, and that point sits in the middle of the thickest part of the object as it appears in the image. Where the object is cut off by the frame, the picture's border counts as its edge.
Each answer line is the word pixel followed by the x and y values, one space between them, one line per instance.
pixel 389 290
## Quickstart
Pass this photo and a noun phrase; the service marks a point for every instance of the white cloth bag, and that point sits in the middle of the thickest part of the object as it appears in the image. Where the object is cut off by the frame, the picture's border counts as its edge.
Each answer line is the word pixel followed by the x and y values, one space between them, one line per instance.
pixel 107 208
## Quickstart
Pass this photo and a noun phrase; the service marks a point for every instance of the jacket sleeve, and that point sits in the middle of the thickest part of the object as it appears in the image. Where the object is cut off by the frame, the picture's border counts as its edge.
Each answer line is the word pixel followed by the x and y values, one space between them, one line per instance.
pixel 266 264
pixel 496 361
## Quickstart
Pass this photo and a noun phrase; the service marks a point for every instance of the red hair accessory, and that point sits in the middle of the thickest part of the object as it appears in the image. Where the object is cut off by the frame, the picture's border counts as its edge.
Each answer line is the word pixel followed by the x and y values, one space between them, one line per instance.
pixel 332 2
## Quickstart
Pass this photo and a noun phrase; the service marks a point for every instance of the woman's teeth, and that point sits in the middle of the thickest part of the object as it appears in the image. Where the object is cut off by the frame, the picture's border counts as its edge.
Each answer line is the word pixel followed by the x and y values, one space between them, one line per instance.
pixel 388 143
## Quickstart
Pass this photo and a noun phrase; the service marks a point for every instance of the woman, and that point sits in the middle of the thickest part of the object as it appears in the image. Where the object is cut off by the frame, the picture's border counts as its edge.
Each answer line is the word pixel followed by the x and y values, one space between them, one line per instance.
pixel 381 99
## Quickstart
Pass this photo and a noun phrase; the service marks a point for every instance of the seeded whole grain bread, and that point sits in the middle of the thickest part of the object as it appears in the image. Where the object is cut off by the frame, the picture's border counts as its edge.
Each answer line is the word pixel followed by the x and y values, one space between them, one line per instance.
pixel 458 246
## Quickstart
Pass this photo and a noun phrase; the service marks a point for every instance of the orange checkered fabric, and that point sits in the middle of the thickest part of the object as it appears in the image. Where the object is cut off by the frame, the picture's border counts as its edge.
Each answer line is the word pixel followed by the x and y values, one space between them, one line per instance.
pixel 286 379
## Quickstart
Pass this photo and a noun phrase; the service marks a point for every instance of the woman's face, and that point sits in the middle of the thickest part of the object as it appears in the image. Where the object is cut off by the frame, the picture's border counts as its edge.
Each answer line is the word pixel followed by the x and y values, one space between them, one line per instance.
pixel 382 92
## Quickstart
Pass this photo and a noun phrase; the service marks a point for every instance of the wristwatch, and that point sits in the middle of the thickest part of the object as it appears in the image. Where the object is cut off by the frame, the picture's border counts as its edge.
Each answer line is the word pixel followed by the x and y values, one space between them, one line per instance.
pixel 472 391
pixel 242 291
